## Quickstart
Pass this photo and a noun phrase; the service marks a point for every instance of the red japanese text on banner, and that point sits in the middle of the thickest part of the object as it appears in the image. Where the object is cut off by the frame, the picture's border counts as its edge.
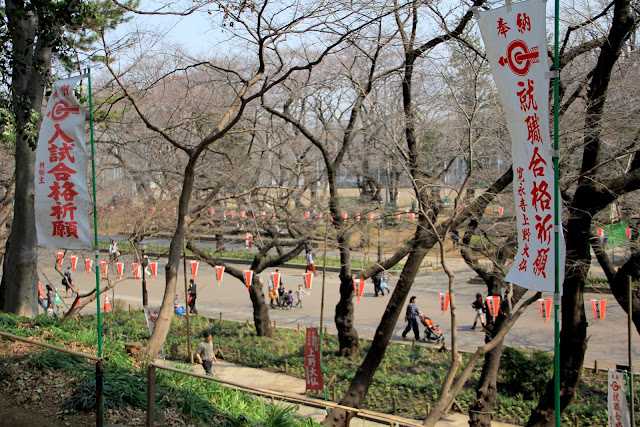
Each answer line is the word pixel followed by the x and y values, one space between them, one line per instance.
pixel 516 47
pixel 61 188
pixel 312 367
pixel 617 408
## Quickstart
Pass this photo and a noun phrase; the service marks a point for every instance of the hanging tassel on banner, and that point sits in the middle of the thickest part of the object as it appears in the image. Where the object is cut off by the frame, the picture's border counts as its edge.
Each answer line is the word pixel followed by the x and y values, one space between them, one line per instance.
pixel 358 287
pixel 74 262
pixel 308 279
pixel 120 268
pixel 599 307
pixel 88 263
pixel 136 270
pixel 154 268
pixel 248 276
pixel 445 298
pixel 493 304
pixel 104 265
pixel 219 273
pixel 544 304
pixel 60 256
pixel 194 268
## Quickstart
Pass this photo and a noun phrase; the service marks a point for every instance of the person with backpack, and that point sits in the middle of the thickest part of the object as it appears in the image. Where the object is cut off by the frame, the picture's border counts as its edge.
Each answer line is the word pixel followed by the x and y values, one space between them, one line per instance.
pixel 413 312
pixel 479 306
pixel 192 296
pixel 67 281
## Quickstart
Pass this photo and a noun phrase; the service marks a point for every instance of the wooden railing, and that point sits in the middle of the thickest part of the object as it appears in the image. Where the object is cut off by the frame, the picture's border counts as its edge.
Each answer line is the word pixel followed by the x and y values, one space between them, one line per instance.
pixel 316 403
pixel 151 389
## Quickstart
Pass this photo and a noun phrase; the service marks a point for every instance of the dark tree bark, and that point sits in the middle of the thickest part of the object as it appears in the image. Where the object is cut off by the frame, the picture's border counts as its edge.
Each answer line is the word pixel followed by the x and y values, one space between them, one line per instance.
pixel 30 61
pixel 589 198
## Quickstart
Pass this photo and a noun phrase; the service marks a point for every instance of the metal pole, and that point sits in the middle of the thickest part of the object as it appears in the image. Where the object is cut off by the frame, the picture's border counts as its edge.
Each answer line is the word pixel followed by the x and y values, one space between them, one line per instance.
pixel 324 277
pixel 95 216
pixel 630 334
pixel 186 298
pixel 99 394
pixel 556 212
pixel 145 299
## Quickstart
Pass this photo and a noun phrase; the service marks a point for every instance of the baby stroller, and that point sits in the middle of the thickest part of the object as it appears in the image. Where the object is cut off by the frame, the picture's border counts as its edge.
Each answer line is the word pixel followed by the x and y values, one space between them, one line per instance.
pixel 431 331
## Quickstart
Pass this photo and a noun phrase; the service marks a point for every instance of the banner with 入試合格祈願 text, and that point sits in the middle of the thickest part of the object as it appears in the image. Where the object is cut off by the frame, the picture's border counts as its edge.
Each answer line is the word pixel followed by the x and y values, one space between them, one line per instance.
pixel 61 188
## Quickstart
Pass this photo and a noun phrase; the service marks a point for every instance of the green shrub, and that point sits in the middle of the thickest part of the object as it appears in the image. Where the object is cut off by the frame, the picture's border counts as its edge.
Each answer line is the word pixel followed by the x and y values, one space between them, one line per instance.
pixel 525 373
pixel 50 359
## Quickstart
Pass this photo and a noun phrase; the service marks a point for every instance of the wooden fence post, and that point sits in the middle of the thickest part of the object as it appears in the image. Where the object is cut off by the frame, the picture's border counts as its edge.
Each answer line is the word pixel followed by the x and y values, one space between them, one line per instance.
pixel 151 395
pixel 99 394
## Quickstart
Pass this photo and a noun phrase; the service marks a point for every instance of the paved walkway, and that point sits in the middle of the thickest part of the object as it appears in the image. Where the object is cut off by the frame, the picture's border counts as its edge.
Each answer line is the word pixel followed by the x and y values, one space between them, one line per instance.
pixel 607 343
pixel 252 377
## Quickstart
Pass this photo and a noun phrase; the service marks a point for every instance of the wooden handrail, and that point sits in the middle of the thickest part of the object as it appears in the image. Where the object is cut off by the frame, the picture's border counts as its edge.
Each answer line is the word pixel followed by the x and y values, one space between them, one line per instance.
pixel 294 398
pixel 50 346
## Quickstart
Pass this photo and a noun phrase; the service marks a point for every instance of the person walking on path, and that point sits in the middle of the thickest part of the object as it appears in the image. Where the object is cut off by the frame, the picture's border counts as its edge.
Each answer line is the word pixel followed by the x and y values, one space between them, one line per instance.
pixel 412 319
pixel 41 300
pixel 204 352
pixel 382 278
pixel 51 300
pixel 478 306
pixel 67 281
pixel 113 251
pixel 299 294
pixel 192 296
pixel 248 241
pixel 310 266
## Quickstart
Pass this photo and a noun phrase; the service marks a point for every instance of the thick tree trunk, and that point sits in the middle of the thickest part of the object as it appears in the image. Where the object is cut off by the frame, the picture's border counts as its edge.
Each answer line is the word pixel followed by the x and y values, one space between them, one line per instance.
pixel 481 410
pixel 347 334
pixel 364 375
pixel 260 310
pixel 171 270
pixel 573 335
pixel 31 60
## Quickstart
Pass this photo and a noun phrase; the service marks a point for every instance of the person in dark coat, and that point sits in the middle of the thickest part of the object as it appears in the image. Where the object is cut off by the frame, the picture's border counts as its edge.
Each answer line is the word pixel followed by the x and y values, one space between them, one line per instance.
pixel 413 312
pixel 192 296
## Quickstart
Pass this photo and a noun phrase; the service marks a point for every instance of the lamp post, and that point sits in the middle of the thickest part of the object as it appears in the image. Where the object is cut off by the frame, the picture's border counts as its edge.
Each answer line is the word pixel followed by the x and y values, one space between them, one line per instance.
pixel 144 262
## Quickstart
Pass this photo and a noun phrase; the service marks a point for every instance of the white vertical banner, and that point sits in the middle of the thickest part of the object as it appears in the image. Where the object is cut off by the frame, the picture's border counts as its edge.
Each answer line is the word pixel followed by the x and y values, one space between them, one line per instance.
pixel 617 408
pixel 61 188
pixel 516 48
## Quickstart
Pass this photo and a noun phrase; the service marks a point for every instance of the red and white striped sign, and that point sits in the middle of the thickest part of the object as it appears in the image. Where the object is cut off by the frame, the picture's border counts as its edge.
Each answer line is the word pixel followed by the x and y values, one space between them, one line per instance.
pixel 88 263
pixel 136 270
pixel 308 279
pixel 544 304
pixel 306 214
pixel 194 268
pixel 60 256
pixel 599 308
pixel 276 279
pixel 445 298
pixel 120 268
pixel 493 304
pixel 248 277
pixel 154 268
pixel 219 273
pixel 74 262
pixel 104 266
pixel 358 287
pixel 371 216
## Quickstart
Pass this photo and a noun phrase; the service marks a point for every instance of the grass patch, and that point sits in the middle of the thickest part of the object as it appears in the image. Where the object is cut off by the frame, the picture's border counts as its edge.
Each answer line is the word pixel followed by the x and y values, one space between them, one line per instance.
pixel 201 402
